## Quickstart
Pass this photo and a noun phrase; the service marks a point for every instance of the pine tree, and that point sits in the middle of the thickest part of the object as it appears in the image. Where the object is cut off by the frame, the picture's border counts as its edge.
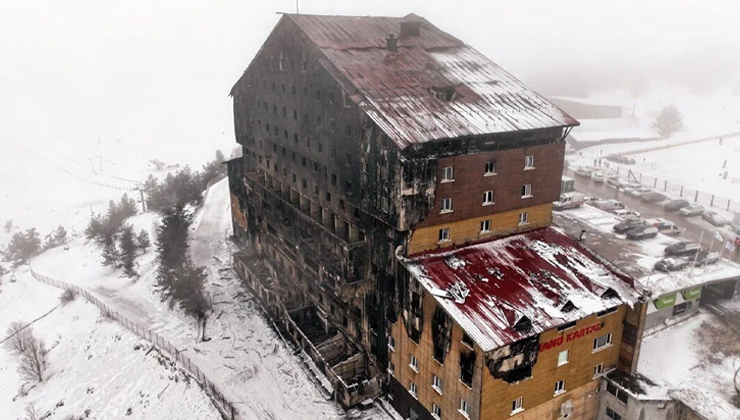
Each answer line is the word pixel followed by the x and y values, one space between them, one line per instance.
pixel 142 240
pixel 668 121
pixel 189 289
pixel 111 256
pixel 128 250
pixel 22 246
pixel 8 225
pixel 127 207
pixel 94 229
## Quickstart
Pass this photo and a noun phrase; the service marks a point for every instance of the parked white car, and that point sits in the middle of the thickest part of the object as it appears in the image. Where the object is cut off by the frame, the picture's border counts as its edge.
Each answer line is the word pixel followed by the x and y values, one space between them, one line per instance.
pixel 598 177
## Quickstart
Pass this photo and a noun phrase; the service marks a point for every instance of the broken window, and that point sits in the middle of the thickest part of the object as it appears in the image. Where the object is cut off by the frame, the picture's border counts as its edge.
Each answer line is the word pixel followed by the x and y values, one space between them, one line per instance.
pixel 526 190
pixel 445 94
pixel 485 226
pixel 467 366
pixel 444 234
pixel 490 168
pixel 445 205
pixel 467 340
pixel 441 334
pixel 488 198
pixel 523 218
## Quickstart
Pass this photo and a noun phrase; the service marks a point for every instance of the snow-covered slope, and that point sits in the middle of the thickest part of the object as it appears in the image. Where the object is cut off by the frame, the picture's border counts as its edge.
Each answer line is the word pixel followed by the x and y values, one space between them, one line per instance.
pixel 94 364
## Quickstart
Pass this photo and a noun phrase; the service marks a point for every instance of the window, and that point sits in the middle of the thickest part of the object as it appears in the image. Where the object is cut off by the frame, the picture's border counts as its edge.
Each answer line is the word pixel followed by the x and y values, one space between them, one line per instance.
pixel 391 367
pixel 485 226
pixel 560 386
pixel 412 389
pixel 444 235
pixel 467 340
pixel 488 198
pixel 304 183
pixel 529 162
pixel 334 180
pixel 598 369
pixel 603 341
pixel 490 168
pixel 523 218
pixel 448 174
pixel 619 393
pixel 437 384
pixel 446 205
pixel 436 411
pixel 612 415
pixel 414 363
pixel 517 405
pixel 526 190
pixel 464 408
pixel 328 196
pixel 391 343
pixel 563 357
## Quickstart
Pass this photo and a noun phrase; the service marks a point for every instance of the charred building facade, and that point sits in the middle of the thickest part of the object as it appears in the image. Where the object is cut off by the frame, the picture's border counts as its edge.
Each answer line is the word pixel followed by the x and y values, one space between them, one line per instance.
pixel 368 142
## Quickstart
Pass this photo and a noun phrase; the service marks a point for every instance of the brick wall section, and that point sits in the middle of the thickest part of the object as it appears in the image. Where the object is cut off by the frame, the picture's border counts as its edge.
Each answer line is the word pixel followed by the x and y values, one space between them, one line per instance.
pixel 470 182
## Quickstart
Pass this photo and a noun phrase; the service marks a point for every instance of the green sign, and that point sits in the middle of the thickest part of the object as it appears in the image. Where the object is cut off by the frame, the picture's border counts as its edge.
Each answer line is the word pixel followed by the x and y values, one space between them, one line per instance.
pixel 691 294
pixel 665 301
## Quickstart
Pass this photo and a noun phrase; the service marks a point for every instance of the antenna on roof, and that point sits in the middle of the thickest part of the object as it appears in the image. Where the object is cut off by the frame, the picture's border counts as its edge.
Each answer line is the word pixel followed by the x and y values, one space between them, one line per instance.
pixel 297 9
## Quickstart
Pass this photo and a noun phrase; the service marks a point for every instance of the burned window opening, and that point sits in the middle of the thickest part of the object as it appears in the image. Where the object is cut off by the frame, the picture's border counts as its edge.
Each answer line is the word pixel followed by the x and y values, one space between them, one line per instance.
pixel 513 363
pixel 444 94
pixel 441 334
pixel 467 367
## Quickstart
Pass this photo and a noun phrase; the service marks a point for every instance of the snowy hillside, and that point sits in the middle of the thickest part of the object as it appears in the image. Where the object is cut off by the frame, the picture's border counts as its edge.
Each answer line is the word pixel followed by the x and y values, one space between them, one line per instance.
pixel 94 364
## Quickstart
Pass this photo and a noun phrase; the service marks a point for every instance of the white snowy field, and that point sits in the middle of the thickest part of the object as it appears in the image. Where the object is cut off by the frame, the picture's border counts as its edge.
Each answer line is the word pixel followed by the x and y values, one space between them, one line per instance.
pixel 245 358
pixel 693 361
pixel 94 364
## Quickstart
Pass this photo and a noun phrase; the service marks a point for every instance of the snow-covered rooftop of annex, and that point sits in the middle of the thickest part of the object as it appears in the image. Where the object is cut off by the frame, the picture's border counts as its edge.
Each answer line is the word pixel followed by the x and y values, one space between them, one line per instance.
pixel 493 290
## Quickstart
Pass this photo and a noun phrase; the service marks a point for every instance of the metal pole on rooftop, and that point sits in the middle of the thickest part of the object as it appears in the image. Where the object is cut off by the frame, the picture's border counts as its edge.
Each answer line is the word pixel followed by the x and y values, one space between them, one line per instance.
pixel 297 9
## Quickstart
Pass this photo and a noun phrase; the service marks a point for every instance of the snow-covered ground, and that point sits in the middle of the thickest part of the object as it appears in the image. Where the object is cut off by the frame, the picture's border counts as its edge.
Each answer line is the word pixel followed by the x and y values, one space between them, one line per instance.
pixel 697 368
pixel 248 361
pixel 94 364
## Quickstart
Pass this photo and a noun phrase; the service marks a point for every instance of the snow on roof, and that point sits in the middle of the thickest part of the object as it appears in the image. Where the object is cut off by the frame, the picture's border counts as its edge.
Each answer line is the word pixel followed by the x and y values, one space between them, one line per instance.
pixel 396 89
pixel 538 275
pixel 684 361
pixel 613 128
pixel 662 283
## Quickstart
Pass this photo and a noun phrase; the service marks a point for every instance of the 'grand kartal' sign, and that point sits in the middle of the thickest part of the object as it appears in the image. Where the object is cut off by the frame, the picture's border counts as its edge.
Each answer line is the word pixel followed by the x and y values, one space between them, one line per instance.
pixel 575 335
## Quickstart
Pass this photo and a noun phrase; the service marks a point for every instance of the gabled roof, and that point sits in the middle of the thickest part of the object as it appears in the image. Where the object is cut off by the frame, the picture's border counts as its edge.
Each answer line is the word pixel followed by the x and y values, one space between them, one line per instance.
pixel 395 90
pixel 541 279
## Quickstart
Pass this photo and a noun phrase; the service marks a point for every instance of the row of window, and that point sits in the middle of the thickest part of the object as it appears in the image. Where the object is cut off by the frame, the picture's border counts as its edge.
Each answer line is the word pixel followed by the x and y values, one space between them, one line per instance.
pixel 307 141
pixel 485 227
pixel 284 111
pixel 437 410
pixel 448 172
pixel 488 197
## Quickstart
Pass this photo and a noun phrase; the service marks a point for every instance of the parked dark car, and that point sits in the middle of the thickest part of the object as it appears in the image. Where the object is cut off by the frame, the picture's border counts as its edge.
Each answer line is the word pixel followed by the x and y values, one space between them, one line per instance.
pixel 642 232
pixel 614 181
pixel 714 218
pixel 652 197
pixel 676 205
pixel 682 249
pixel 706 257
pixel 621 159
pixel 629 223
pixel 671 264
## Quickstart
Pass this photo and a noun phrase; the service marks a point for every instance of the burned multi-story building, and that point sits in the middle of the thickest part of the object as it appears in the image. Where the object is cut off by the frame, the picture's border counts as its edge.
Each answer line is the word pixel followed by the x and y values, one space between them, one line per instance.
pixel 373 146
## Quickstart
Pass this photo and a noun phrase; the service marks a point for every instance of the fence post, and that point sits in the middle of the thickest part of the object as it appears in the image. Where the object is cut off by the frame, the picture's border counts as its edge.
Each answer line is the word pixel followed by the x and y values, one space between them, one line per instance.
pixel 728 205
pixel 681 193
pixel 711 202
pixel 665 185
pixel 696 196
pixel 655 183
pixel 640 180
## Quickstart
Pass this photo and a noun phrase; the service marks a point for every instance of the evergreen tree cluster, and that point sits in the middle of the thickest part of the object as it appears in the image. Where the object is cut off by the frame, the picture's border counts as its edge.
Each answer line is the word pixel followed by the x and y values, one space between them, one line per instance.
pixel 120 243
pixel 22 246
pixel 184 186
pixel 668 121
pixel 179 281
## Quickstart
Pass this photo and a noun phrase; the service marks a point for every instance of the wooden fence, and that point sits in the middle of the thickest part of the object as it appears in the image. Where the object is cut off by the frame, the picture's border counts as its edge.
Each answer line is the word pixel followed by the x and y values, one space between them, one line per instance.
pixel 221 403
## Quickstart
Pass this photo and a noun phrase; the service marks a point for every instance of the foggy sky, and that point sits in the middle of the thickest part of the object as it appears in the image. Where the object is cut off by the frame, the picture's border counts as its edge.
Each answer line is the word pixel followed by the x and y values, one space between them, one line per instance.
pixel 160 71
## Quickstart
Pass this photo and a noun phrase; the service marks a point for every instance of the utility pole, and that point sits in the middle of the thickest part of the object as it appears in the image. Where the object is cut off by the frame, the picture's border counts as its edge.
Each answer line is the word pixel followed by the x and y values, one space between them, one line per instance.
pixel 143 202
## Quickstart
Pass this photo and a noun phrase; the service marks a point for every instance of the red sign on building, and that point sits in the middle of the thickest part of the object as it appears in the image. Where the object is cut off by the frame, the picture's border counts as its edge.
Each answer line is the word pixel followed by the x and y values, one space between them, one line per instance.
pixel 572 336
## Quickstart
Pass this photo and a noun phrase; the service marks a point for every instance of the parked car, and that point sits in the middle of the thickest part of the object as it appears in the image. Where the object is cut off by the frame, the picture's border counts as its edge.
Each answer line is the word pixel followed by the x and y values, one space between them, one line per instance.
pixel 631 186
pixel 676 205
pixel 614 181
pixel 608 205
pixel 665 226
pixel 640 191
pixel 641 232
pixel 629 223
pixel 682 249
pixel 705 256
pixel 652 197
pixel 671 264
pixel 598 177
pixel 569 200
pixel 691 210
pixel 714 218
pixel 584 172
pixel 621 159
pixel 622 213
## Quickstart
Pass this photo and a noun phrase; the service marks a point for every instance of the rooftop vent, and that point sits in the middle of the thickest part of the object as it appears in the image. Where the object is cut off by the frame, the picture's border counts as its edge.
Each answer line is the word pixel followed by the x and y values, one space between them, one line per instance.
pixel 391 43
pixel 523 324
pixel 445 94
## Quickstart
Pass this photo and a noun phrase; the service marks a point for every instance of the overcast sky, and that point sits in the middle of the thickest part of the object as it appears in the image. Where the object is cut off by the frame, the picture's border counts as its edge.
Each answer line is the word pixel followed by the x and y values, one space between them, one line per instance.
pixel 161 70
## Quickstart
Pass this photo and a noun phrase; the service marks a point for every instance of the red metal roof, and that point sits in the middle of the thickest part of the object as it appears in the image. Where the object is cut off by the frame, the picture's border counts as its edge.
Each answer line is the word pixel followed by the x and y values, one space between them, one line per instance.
pixel 395 89
pixel 533 275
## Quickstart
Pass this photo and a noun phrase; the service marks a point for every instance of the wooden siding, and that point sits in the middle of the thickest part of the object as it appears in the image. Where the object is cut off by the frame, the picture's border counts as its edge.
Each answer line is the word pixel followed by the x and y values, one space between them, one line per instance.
pixel 453 389
pixel 538 391
pixel 468 230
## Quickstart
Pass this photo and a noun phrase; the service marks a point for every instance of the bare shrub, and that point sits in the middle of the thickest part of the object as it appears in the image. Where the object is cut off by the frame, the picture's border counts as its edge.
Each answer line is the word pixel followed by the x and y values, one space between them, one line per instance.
pixel 33 361
pixel 32 412
pixel 67 296
pixel 19 337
